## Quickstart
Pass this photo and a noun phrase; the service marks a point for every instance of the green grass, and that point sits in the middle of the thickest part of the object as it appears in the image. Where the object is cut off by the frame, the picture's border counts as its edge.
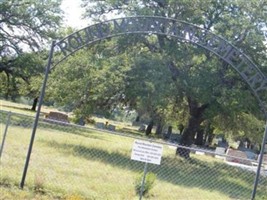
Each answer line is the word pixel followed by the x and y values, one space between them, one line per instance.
pixel 76 163
pixel 20 108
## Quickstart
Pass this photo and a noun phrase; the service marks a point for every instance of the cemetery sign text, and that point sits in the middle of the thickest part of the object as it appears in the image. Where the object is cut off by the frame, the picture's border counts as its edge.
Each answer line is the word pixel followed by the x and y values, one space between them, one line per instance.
pixel 180 30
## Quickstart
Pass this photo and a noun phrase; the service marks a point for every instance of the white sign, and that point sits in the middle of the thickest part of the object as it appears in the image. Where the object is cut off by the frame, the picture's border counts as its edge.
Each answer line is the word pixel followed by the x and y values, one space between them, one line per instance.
pixel 147 152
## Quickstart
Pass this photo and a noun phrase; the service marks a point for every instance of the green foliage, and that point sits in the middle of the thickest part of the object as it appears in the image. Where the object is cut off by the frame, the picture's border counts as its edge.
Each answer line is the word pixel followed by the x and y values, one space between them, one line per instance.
pixel 150 89
pixel 196 74
pixel 25 78
pixel 148 184
pixel 261 198
pixel 91 81
pixel 39 183
pixel 26 26
pixel 243 125
pixel 133 71
pixel 68 151
pixel 37 21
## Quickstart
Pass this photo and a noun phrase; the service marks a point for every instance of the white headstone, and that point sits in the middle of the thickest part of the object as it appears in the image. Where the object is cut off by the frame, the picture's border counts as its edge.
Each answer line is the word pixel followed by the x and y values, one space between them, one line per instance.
pixel 219 152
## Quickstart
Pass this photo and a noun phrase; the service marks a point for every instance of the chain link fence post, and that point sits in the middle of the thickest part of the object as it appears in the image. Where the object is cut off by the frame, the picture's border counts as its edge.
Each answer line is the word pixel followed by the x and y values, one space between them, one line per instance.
pixel 143 181
pixel 259 164
pixel 35 124
pixel 5 133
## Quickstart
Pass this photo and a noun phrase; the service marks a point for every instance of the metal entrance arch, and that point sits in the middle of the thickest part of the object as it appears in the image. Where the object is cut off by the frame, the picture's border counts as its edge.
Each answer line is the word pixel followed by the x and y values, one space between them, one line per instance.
pixel 179 30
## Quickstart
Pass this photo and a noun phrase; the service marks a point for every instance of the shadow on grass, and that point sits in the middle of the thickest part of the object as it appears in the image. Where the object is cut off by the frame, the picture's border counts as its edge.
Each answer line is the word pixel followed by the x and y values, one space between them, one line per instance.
pixel 24 121
pixel 73 130
pixel 24 109
pixel 233 182
pixel 131 131
pixel 19 108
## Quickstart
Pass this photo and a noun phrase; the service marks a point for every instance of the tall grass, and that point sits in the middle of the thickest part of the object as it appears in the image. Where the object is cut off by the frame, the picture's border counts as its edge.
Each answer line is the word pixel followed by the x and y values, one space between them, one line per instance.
pixel 77 163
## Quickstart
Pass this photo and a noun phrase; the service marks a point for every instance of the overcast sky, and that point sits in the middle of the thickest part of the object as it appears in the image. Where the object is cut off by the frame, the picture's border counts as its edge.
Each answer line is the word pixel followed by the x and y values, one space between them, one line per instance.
pixel 73 13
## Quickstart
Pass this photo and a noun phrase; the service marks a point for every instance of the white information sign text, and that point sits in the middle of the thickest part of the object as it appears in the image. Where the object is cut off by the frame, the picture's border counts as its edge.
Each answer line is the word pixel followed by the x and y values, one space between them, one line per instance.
pixel 145 151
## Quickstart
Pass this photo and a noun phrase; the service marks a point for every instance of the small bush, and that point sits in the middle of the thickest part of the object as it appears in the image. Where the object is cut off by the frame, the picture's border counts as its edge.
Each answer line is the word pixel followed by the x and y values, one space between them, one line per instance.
pixel 261 198
pixel 39 183
pixel 90 120
pixel 148 185
pixel 4 181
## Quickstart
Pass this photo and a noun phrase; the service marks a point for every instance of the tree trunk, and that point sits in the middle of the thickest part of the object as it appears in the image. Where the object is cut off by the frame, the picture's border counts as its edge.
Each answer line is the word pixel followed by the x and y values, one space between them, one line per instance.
pixel 196 117
pixel 34 105
pixel 200 139
pixel 188 136
pixel 169 132
pixel 210 138
pixel 181 128
pixel 7 86
pixel 208 134
pixel 160 125
pixel 149 128
pixel 159 129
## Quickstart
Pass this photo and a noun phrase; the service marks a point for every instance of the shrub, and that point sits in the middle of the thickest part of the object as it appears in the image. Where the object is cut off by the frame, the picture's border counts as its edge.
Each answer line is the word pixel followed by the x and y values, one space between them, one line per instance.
pixel 149 183
pixel 39 183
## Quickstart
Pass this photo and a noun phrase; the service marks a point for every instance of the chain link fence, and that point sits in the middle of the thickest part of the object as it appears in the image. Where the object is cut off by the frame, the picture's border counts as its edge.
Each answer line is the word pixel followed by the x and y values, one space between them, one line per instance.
pixel 84 162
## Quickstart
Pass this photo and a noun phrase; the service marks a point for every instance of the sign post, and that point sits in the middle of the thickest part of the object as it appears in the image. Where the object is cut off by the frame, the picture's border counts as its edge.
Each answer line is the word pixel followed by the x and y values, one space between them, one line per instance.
pixel 143 182
pixel 4 136
pixel 146 152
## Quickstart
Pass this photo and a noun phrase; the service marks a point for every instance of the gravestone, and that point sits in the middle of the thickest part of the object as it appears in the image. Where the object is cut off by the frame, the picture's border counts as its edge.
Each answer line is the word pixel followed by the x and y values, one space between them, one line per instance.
pixel 175 137
pixel 135 123
pixel 57 116
pixel 237 156
pixel 167 135
pixel 264 161
pixel 100 125
pixel 111 127
pixel 220 151
pixel 142 128
pixel 81 121
pixel 250 155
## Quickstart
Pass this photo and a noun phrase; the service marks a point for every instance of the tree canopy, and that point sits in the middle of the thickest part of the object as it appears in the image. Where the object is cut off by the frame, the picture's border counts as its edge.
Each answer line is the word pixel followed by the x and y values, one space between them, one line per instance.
pixel 25 27
pixel 208 86
pixel 168 82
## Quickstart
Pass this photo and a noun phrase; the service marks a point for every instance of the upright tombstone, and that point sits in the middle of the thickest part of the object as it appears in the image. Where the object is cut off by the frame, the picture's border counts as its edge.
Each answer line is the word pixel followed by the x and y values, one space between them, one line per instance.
pixel 142 128
pixel 111 127
pixel 100 125
pixel 174 137
pixel 57 116
pixel 168 134
pixel 220 152
pixel 237 156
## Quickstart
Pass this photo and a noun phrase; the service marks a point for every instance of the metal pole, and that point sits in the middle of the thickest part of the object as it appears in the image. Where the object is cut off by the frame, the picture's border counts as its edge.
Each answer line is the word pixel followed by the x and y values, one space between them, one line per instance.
pixel 259 164
pixel 5 132
pixel 37 116
pixel 143 182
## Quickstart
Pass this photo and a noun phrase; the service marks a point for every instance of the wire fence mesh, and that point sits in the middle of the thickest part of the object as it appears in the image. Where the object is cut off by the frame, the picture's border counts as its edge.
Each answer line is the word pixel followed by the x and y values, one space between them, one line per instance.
pixel 71 160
